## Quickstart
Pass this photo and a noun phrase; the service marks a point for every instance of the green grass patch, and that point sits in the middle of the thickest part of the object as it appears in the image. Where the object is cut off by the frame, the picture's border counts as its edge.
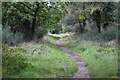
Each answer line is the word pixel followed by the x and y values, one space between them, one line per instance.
pixel 101 61
pixel 45 62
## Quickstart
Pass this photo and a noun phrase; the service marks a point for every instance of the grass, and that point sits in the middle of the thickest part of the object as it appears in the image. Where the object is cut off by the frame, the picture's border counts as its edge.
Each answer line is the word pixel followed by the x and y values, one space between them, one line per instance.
pixel 49 62
pixel 101 61
pixel 46 62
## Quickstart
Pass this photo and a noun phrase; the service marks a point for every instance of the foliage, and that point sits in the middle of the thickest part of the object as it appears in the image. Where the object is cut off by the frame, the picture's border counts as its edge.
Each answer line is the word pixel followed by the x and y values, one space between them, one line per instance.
pixel 56 29
pixel 102 14
pixel 48 14
pixel 36 13
pixel 96 16
pixel 70 20
pixel 110 34
pixel 11 38
pixel 109 14
pixel 40 32
pixel 13 62
pixel 69 28
pixel 105 38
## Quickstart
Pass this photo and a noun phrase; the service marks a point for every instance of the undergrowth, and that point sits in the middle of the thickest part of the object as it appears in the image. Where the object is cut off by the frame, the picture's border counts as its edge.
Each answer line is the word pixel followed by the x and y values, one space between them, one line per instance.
pixel 38 61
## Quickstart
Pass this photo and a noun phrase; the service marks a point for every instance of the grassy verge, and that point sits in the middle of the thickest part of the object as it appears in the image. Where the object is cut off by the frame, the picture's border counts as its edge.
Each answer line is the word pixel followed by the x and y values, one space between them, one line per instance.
pixel 45 62
pixel 100 61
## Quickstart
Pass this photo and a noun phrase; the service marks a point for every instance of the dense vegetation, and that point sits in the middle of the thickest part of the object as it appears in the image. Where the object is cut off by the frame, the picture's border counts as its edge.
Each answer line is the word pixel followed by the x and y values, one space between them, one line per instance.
pixel 30 29
pixel 35 19
pixel 45 62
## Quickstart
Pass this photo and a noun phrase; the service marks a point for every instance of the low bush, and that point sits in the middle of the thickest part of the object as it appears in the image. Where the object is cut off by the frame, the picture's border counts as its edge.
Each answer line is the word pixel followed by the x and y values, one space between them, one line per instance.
pixel 13 62
pixel 110 34
pixel 40 32
pixel 94 36
pixel 68 29
pixel 9 37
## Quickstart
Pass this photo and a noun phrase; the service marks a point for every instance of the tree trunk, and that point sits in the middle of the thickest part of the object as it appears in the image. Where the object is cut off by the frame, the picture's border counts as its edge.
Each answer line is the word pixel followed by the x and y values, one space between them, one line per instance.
pixel 98 27
pixel 81 27
pixel 34 21
pixel 33 27
pixel 105 26
pixel 82 24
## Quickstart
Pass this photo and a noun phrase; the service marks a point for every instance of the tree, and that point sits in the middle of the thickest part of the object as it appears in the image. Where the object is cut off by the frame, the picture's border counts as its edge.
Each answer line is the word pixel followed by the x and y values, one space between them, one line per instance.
pixel 36 13
pixel 82 18
pixel 77 13
pixel 96 16
pixel 108 14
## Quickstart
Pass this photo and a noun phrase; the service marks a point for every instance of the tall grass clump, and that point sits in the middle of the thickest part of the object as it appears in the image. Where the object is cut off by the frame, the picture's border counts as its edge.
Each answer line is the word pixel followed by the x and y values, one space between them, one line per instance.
pixel 10 37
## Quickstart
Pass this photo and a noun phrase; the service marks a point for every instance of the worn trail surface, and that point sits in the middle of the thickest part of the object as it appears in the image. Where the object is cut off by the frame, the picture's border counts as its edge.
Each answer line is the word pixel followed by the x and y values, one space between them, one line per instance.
pixel 82 70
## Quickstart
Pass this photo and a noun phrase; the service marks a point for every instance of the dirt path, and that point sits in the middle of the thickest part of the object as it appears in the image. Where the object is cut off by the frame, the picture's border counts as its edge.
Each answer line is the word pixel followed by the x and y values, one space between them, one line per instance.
pixel 82 70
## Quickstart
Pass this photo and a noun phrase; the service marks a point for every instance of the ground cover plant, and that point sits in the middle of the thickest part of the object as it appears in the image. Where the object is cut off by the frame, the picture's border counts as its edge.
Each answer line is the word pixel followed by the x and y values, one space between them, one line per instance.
pixel 45 62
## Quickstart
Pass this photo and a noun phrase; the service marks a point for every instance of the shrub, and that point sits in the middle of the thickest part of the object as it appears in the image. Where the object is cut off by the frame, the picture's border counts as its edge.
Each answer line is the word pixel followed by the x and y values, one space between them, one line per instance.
pixel 40 32
pixel 13 62
pixel 9 37
pixel 110 34
pixel 77 28
pixel 70 20
pixel 67 29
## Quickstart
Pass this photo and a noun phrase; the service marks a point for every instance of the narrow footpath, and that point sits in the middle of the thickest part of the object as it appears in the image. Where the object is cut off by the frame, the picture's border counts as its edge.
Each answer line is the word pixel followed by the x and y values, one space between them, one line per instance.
pixel 82 70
